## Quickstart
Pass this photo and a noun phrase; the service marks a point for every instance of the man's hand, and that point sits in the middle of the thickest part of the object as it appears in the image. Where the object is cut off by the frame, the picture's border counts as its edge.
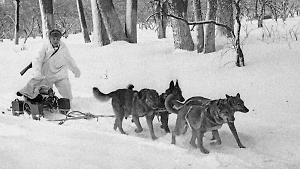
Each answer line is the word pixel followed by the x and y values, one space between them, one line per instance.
pixel 77 73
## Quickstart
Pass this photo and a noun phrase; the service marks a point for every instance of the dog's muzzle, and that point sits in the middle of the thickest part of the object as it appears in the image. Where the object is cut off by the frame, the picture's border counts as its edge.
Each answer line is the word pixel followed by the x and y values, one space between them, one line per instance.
pixel 243 110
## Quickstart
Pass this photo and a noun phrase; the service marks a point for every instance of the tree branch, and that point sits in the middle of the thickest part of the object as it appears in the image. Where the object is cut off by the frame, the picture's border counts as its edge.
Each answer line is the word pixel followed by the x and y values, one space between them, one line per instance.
pixel 203 22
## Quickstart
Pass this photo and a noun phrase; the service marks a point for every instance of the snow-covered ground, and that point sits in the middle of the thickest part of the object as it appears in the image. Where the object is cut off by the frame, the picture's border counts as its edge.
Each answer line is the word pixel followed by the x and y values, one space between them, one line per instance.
pixel 269 86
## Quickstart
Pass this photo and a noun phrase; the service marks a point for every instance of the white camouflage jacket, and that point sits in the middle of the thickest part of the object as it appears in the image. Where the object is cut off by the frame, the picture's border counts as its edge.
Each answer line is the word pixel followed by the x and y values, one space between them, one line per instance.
pixel 55 67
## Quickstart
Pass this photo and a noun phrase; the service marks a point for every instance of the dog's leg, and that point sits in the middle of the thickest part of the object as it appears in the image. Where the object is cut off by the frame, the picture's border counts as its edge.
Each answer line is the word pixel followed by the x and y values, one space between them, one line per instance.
pixel 118 124
pixel 136 121
pixel 234 132
pixel 119 112
pixel 217 138
pixel 173 138
pixel 164 121
pixel 185 128
pixel 193 138
pixel 150 125
pixel 200 135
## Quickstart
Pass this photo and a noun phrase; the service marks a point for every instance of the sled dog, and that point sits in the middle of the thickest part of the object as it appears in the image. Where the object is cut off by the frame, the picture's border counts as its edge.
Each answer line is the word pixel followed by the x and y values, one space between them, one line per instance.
pixel 202 114
pixel 175 90
pixel 127 102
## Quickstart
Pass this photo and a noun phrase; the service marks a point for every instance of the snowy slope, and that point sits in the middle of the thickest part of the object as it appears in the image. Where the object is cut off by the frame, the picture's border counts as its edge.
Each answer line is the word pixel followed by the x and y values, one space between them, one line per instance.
pixel 269 85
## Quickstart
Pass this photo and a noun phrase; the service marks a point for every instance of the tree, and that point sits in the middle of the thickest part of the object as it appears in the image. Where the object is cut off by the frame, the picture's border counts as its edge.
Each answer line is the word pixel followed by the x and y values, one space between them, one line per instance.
pixel 209 39
pixel 30 20
pixel 225 16
pixel 131 21
pixel 111 21
pixel 181 32
pixel 83 22
pixel 161 10
pixel 28 29
pixel 260 6
pixel 240 56
pixel 99 33
pixel 17 21
pixel 198 28
pixel 46 7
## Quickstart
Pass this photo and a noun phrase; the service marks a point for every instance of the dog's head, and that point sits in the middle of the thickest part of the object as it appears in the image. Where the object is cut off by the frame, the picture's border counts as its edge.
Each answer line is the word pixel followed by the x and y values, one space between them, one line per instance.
pixel 237 103
pixel 175 90
pixel 149 97
pixel 225 113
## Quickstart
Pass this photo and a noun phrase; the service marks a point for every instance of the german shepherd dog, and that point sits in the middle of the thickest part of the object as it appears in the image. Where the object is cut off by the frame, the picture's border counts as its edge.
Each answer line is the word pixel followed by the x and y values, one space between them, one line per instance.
pixel 204 115
pixel 175 90
pixel 127 102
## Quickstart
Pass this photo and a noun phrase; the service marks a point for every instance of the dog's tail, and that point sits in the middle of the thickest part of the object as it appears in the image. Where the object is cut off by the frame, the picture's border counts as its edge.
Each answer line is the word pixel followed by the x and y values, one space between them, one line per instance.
pixel 171 100
pixel 130 87
pixel 101 96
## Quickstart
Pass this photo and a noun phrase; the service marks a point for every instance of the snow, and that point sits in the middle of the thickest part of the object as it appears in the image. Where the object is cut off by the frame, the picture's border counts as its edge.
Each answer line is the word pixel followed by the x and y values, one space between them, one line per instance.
pixel 269 84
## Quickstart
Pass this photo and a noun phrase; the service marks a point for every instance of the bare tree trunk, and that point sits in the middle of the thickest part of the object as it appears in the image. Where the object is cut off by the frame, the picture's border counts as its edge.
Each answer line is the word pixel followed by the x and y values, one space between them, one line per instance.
pixel 83 22
pixel 181 32
pixel 225 16
pixel 161 18
pixel 96 23
pixel 240 56
pixel 260 12
pixel 131 21
pixel 30 29
pixel 111 21
pixel 284 10
pixel 17 16
pixel 199 27
pixel 99 33
pixel 46 7
pixel 209 40
pixel 274 11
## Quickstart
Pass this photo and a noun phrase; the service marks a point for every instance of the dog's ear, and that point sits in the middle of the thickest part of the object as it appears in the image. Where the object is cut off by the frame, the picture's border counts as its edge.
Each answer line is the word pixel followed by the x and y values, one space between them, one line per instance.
pixel 171 84
pixel 177 85
pixel 227 96
pixel 238 95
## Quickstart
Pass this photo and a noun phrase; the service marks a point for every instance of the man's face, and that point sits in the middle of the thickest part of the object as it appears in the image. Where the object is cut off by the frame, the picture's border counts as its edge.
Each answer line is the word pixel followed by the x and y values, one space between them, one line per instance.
pixel 54 41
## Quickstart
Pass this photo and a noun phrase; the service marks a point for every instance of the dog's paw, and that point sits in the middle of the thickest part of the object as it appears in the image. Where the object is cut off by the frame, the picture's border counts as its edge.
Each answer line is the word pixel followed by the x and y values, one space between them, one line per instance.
pixel 215 143
pixel 193 144
pixel 154 137
pixel 138 130
pixel 173 140
pixel 204 151
pixel 242 146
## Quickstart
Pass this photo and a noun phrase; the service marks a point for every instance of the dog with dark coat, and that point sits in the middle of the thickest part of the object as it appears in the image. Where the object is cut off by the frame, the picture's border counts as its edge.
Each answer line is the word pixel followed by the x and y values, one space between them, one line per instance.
pixel 175 90
pixel 202 114
pixel 127 102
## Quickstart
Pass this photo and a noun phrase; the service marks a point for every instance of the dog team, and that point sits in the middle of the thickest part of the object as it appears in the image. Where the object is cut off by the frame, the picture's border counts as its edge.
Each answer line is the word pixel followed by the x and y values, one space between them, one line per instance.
pixel 198 113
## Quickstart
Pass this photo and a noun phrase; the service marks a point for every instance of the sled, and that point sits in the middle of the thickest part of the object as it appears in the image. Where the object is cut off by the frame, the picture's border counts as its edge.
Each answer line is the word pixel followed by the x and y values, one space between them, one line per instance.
pixel 46 101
